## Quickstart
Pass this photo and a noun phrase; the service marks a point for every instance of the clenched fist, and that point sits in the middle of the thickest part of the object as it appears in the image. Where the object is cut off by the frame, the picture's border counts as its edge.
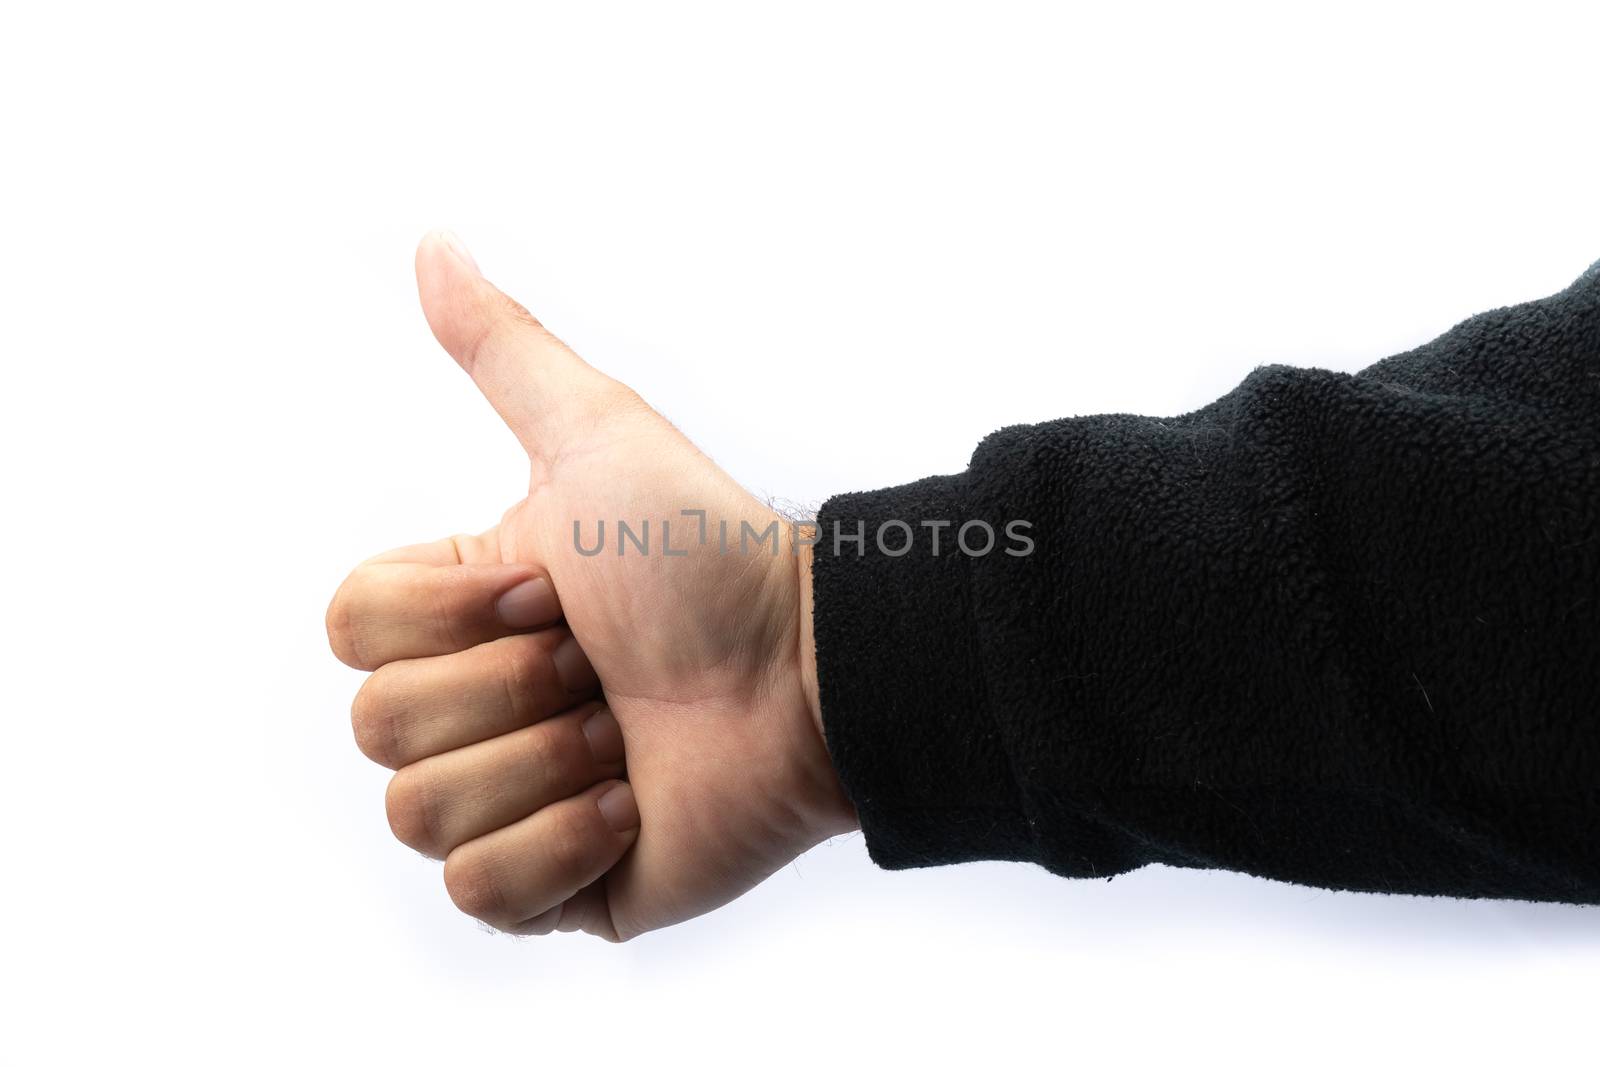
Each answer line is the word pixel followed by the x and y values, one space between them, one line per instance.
pixel 610 742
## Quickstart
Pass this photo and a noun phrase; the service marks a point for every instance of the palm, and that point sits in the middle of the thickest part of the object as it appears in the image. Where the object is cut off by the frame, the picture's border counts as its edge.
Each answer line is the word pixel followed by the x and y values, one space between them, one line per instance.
pixel 699 655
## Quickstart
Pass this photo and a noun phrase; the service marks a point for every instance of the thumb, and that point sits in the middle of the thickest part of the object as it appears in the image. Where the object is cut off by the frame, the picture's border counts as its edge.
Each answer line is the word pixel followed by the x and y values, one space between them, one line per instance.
pixel 539 386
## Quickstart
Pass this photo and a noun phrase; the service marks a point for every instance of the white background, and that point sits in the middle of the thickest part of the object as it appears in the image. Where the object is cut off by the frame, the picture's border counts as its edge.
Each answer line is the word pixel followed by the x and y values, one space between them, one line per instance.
pixel 836 244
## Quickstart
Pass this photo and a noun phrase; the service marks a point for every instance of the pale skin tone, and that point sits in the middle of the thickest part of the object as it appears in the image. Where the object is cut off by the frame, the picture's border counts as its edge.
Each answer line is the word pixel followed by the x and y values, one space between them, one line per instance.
pixel 607 744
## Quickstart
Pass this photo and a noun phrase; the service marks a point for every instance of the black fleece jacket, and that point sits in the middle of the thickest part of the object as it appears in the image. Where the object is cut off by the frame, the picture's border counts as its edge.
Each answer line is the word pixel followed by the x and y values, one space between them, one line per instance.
pixel 1335 629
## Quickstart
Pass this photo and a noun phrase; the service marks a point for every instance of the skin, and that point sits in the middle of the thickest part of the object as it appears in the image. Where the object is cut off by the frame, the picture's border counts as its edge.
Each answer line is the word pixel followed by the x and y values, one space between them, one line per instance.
pixel 637 740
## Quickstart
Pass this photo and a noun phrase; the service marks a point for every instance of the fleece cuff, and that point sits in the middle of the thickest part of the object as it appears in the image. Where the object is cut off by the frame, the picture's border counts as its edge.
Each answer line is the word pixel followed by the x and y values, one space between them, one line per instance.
pixel 904 706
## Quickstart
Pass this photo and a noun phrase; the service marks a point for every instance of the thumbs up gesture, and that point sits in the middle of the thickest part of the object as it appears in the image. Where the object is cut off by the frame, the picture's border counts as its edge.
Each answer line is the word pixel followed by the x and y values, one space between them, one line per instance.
pixel 607 740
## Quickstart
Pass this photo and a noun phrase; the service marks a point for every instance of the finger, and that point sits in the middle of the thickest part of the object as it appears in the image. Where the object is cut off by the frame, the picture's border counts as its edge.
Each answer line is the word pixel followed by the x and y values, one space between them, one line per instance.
pixel 411 709
pixel 450 799
pixel 589 911
pixel 586 910
pixel 448 551
pixel 540 924
pixel 390 611
pixel 538 385
pixel 520 871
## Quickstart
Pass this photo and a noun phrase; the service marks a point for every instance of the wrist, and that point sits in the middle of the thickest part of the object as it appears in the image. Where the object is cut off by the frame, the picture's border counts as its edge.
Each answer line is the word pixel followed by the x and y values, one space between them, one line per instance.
pixel 808 642
pixel 840 813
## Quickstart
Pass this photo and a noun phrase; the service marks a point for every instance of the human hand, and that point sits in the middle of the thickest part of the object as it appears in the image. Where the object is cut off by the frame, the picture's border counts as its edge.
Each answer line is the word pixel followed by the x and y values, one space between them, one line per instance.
pixel 508 767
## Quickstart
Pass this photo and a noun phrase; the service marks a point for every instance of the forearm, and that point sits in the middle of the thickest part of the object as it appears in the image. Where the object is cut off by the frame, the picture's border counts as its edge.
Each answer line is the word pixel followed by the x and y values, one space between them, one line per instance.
pixel 1333 629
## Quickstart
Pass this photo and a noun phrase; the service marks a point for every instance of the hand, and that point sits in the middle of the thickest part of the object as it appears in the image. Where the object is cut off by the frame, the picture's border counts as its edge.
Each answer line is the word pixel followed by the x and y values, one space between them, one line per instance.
pixel 508 765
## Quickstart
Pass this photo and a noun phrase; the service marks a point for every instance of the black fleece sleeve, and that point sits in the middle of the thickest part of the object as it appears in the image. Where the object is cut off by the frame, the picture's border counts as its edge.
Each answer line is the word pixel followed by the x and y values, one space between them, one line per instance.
pixel 1342 630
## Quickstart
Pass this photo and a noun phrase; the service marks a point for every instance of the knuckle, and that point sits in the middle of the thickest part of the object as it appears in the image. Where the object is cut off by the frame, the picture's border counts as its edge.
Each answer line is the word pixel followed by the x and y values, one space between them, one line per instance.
pixel 616 401
pixel 544 746
pixel 346 635
pixel 452 589
pixel 373 723
pixel 341 627
pixel 474 889
pixel 519 315
pixel 515 675
pixel 572 845
pixel 627 399
pixel 476 336
pixel 409 805
pixel 527 671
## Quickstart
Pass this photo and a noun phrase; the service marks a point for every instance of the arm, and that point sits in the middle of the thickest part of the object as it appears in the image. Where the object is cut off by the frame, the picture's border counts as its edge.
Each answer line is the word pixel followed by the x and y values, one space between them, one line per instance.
pixel 1334 629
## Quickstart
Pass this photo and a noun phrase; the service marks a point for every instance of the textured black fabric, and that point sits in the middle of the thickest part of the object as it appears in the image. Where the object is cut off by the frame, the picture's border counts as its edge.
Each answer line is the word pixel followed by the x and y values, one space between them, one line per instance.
pixel 1335 629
